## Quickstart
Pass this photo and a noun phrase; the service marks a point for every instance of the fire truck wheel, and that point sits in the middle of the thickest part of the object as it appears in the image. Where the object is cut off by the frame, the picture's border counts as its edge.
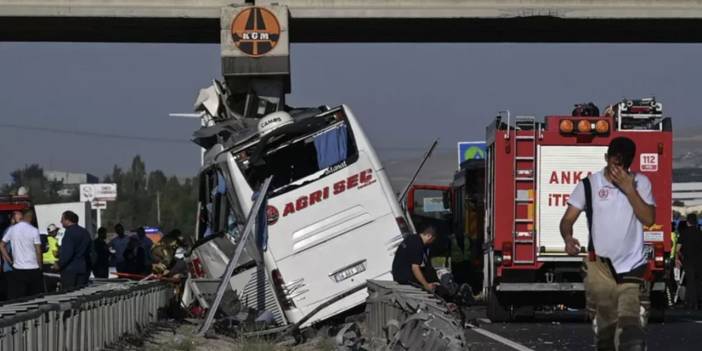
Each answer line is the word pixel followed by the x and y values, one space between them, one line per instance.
pixel 526 312
pixel 496 312
pixel 656 313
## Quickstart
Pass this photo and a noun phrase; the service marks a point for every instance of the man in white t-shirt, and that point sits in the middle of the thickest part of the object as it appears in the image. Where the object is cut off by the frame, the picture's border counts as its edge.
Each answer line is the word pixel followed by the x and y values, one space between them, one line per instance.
pixel 622 203
pixel 26 277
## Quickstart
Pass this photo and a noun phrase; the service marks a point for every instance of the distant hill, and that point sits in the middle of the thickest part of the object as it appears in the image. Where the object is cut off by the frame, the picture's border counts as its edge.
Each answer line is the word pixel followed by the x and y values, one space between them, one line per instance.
pixel 438 170
pixel 687 149
pixel 685 175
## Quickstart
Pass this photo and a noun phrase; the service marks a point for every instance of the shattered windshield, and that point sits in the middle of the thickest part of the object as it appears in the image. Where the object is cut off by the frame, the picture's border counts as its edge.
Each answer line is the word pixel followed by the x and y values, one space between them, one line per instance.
pixel 322 144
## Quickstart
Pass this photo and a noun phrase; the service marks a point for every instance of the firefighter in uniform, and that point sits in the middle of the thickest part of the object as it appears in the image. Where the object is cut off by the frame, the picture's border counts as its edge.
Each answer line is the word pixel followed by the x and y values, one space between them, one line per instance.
pixel 620 204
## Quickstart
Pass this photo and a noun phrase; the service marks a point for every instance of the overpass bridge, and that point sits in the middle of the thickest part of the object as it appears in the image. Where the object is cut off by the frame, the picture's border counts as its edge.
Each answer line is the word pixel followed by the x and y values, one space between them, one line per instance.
pixel 198 21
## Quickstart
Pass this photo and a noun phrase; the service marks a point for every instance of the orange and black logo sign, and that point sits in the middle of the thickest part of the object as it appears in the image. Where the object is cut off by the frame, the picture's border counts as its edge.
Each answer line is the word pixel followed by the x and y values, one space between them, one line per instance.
pixel 255 31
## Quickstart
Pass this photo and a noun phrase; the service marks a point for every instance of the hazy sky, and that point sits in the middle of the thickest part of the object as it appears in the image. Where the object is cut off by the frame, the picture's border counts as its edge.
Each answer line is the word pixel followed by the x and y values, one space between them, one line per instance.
pixel 85 107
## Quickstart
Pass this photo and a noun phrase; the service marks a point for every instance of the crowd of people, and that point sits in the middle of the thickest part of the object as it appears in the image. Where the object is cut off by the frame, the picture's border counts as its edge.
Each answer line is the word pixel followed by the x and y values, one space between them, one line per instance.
pixel 35 264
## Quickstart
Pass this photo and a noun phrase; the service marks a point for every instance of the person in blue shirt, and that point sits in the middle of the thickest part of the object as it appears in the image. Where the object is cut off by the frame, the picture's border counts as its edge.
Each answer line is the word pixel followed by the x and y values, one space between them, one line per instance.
pixel 101 265
pixel 74 254
pixel 14 219
pixel 117 247
pixel 146 244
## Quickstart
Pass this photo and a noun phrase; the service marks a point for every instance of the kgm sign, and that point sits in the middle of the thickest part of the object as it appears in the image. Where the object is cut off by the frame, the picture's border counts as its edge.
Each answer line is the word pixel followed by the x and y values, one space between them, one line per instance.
pixel 255 31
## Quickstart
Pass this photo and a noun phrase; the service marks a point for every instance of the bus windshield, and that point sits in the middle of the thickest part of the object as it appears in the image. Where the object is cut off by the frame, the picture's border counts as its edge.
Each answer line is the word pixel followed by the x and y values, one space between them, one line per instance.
pixel 299 153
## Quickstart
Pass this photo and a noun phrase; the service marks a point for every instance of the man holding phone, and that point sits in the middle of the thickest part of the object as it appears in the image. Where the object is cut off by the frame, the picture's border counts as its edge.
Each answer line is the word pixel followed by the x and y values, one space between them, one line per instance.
pixel 618 204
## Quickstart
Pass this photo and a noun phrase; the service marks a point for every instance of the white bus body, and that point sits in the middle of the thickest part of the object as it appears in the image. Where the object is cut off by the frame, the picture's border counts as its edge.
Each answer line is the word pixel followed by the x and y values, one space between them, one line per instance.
pixel 330 227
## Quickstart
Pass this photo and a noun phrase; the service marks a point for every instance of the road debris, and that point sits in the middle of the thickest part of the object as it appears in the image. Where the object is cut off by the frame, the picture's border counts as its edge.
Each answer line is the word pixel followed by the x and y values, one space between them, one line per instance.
pixel 402 317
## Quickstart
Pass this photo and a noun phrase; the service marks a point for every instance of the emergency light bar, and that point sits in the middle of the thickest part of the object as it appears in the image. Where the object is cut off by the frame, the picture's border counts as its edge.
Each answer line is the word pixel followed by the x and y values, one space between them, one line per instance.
pixel 14 198
pixel 640 114
pixel 584 126
pixel 642 108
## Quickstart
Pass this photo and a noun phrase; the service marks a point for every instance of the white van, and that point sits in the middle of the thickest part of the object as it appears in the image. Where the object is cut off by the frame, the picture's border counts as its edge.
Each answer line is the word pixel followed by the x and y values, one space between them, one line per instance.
pixel 333 220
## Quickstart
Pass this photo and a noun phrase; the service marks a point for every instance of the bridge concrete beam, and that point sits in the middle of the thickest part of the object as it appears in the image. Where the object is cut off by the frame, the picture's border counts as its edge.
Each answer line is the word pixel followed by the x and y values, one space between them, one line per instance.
pixel 361 20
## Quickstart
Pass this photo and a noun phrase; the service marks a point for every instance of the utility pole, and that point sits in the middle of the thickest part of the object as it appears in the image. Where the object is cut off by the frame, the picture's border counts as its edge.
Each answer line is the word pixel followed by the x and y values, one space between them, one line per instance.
pixel 158 208
pixel 99 218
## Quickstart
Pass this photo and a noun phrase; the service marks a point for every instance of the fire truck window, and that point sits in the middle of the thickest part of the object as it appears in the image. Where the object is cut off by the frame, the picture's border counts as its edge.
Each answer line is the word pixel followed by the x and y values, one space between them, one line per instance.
pixel 458 204
pixel 430 209
pixel 430 203
pixel 474 208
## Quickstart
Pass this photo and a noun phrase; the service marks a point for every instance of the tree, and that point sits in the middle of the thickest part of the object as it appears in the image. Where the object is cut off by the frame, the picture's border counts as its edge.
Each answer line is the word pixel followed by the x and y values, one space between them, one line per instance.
pixel 40 189
pixel 137 194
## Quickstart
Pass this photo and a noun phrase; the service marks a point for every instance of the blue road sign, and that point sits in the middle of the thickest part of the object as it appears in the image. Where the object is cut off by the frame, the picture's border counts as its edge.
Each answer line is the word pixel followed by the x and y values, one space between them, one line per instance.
pixel 471 150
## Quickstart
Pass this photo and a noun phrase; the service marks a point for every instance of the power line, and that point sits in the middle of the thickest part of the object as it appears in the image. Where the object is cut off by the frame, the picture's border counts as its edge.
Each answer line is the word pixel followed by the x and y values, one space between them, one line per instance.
pixel 411 148
pixel 86 133
pixel 96 134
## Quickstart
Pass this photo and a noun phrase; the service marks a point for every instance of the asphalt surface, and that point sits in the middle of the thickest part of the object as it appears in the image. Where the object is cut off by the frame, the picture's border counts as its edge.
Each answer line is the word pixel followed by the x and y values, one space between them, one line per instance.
pixel 681 330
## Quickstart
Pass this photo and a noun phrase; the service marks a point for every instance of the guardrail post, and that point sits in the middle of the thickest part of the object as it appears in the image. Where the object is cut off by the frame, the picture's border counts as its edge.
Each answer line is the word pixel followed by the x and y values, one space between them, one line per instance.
pixel 75 325
pixel 61 330
pixel 111 311
pixel 4 339
pixel 90 326
pixel 18 336
pixel 51 330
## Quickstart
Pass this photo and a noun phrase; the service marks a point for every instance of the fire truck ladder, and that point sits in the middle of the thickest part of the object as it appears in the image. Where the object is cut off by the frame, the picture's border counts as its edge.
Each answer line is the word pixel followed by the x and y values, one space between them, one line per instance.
pixel 524 146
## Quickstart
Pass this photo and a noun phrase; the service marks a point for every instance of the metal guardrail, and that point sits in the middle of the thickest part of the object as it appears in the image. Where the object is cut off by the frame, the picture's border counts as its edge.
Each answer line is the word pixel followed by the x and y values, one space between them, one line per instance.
pixel 87 319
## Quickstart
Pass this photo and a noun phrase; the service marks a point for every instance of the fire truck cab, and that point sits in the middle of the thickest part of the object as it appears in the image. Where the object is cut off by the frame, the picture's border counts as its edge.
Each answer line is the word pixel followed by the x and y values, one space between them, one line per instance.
pixel 532 168
pixel 10 204
pixel 457 212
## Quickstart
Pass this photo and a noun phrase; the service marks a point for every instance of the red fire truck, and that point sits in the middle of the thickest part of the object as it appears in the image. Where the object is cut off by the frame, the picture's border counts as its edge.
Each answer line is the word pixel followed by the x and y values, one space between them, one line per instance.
pixel 531 169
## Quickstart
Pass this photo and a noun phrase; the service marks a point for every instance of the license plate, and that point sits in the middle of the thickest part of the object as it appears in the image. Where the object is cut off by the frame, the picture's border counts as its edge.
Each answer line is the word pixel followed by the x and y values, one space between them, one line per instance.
pixel 653 236
pixel 348 272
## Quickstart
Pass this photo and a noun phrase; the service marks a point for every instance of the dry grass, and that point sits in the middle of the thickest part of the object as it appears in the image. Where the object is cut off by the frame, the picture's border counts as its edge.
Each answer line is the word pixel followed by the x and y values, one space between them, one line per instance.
pixel 179 343
pixel 183 339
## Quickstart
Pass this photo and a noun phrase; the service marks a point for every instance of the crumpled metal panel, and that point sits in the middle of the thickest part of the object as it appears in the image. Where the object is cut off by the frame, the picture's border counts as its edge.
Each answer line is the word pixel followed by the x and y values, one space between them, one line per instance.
pixel 405 318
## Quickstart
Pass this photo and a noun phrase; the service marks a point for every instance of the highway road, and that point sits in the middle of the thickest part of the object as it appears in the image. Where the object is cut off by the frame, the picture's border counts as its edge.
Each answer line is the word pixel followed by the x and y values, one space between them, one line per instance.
pixel 681 330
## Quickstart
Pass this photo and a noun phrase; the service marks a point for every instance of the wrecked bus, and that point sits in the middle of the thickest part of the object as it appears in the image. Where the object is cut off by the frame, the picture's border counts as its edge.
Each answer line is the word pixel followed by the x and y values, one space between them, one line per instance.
pixel 332 220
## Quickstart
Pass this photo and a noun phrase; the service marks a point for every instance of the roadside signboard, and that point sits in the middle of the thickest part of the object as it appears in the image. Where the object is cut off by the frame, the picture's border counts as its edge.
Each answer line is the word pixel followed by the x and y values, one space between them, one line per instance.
pixel 98 204
pixel 101 191
pixel 470 150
